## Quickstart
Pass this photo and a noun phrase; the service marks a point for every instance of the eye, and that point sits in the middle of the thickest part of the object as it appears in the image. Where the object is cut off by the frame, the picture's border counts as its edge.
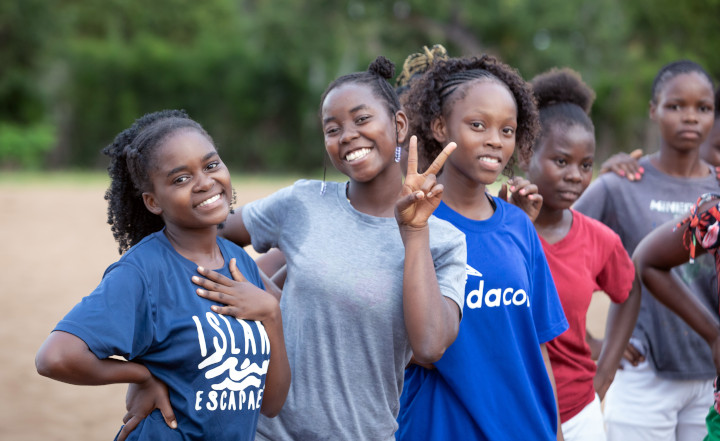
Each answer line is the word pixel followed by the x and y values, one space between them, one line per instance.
pixel 706 109
pixel 181 179
pixel 330 131
pixel 509 131
pixel 561 162
pixel 213 165
pixel 673 106
pixel 477 125
pixel 587 166
pixel 362 119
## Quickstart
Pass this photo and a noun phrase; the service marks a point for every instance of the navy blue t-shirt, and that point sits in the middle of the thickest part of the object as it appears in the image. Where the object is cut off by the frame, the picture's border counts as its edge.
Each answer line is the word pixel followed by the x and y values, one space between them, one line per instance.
pixel 146 309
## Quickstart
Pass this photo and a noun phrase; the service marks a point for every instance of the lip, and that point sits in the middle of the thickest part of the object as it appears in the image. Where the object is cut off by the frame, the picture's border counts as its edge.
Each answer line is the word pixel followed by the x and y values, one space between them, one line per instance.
pixel 568 195
pixel 355 149
pixel 493 166
pixel 218 201
pixel 688 134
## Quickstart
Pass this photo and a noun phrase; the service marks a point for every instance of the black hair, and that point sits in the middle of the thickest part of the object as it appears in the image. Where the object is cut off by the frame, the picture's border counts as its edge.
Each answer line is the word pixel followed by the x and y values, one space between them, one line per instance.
pixel 563 99
pixel 376 77
pixel 671 70
pixel 442 85
pixel 132 157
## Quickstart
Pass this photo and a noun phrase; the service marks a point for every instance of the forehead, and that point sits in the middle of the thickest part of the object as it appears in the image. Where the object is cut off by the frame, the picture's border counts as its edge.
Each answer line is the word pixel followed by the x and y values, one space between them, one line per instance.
pixel 181 148
pixel 488 95
pixel 349 96
pixel 570 139
pixel 690 85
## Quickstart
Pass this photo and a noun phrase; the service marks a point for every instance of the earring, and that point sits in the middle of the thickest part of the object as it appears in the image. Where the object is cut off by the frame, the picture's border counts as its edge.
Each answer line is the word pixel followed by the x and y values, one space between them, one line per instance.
pixel 398 152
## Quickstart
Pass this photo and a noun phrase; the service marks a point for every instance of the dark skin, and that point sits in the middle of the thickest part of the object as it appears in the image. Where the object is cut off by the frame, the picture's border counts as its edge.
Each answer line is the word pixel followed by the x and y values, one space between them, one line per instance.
pixel 561 167
pixel 659 252
pixel 188 172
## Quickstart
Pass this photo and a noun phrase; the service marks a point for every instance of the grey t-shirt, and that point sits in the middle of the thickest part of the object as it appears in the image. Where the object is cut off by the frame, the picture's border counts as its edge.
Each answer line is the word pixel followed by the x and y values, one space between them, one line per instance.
pixel 342 310
pixel 632 210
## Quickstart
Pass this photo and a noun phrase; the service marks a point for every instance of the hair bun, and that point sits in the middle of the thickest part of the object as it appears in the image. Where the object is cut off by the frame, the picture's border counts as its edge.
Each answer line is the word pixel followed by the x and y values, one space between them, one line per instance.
pixel 383 67
pixel 562 86
pixel 419 62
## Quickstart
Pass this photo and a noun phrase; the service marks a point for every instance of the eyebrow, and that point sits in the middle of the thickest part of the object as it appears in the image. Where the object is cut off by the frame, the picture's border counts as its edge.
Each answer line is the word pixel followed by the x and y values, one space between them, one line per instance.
pixel 185 167
pixel 353 110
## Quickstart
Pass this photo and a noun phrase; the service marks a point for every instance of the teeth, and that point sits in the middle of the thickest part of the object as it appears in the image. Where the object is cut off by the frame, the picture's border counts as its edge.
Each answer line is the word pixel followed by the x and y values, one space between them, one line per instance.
pixel 491 160
pixel 357 154
pixel 209 201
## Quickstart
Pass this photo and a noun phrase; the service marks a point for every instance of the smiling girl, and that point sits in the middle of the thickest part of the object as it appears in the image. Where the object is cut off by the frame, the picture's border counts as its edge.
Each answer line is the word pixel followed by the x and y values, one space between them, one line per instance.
pixel 494 381
pixel 169 192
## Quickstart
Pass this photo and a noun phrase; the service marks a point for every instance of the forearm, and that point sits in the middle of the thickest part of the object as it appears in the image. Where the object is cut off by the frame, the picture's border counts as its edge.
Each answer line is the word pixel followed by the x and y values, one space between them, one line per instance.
pixel 431 320
pixel 674 294
pixel 65 357
pixel 619 327
pixel 277 381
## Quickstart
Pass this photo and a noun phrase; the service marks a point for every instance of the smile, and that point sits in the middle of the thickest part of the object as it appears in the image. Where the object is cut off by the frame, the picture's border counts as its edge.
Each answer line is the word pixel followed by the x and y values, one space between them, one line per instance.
pixel 357 154
pixel 209 200
pixel 489 160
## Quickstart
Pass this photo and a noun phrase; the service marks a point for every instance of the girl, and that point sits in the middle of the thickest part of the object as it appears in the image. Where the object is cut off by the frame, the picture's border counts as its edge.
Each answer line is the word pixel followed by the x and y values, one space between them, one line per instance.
pixel 371 275
pixel 584 255
pixel 665 248
pixel 663 391
pixel 494 382
pixel 169 192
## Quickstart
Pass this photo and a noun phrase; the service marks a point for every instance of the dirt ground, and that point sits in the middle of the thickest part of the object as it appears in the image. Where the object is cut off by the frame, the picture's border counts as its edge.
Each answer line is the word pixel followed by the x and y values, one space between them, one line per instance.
pixel 54 246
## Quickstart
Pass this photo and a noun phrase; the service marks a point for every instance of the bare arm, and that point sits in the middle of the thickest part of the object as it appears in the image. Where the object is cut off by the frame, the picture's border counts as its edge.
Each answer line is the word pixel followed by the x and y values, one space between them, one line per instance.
pixel 234 229
pixel 432 321
pixel 548 366
pixel 659 252
pixel 619 326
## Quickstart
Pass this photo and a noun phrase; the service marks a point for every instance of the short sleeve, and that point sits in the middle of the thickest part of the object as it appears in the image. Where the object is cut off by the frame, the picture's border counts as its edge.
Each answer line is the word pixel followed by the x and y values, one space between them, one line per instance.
pixel 116 318
pixel 449 259
pixel 547 310
pixel 263 219
pixel 618 272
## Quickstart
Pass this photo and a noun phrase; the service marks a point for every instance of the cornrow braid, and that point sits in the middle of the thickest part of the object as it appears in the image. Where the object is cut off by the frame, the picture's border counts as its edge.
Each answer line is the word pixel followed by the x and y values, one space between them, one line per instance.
pixel 671 70
pixel 416 64
pixel 432 95
pixel 131 160
pixel 563 99
pixel 376 77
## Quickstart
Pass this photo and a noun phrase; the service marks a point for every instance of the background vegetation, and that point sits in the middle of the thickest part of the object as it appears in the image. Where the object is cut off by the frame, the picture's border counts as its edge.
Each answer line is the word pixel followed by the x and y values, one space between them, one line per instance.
pixel 73 73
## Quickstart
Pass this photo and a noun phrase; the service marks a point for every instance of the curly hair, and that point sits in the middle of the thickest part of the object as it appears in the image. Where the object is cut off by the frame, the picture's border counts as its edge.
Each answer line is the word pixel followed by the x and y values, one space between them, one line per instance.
pixel 376 77
pixel 563 99
pixel 445 82
pixel 132 157
pixel 671 70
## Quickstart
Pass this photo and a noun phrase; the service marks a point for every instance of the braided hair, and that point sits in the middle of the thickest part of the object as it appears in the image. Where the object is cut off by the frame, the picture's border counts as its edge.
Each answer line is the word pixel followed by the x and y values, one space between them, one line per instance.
pixel 376 78
pixel 445 82
pixel 671 70
pixel 132 158
pixel 416 64
pixel 563 100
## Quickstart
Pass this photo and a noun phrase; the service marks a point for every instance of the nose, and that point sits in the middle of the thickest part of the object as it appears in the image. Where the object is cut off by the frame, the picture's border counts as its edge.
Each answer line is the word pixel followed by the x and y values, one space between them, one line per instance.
pixel 690 115
pixel 493 139
pixel 204 182
pixel 572 174
pixel 348 134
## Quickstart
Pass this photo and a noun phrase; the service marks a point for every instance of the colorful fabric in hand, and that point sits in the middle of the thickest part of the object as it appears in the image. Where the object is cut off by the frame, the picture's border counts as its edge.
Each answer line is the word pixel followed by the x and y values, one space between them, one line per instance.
pixel 703 227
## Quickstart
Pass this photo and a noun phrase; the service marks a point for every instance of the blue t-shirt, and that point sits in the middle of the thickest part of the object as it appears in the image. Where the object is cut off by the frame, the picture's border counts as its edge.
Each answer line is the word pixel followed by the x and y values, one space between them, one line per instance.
pixel 491 383
pixel 146 309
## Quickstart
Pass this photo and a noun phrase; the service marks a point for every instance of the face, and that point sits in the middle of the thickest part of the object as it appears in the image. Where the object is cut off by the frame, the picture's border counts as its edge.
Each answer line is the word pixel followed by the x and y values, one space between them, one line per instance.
pixel 360 133
pixel 710 149
pixel 561 165
pixel 190 184
pixel 683 109
pixel 483 124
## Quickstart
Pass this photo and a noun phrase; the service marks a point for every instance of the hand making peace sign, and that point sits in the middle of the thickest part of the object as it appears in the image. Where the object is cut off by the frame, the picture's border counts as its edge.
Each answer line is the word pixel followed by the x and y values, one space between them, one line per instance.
pixel 421 194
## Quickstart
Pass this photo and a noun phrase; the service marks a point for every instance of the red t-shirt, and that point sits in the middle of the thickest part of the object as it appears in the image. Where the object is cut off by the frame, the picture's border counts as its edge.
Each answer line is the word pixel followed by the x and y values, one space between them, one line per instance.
pixel 590 258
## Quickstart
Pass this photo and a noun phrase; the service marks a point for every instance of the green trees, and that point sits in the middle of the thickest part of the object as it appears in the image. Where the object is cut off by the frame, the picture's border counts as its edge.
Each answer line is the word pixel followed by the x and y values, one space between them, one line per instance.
pixel 75 72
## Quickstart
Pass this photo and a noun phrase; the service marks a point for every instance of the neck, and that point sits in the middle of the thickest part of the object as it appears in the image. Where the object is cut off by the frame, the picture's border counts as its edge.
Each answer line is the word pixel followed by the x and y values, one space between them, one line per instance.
pixel 197 245
pixel 465 195
pixel 683 164
pixel 378 196
pixel 553 224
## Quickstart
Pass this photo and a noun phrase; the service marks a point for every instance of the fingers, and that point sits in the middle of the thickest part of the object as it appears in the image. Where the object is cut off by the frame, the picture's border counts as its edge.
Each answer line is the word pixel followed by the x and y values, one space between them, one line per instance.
pixel 408 200
pixel 636 154
pixel 213 280
pixel 503 193
pixel 235 272
pixel 129 426
pixel 440 160
pixel 412 157
pixel 167 413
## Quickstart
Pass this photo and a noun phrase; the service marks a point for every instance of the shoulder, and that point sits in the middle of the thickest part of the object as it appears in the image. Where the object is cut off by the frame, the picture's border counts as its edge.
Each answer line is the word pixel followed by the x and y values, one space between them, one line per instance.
pixel 442 228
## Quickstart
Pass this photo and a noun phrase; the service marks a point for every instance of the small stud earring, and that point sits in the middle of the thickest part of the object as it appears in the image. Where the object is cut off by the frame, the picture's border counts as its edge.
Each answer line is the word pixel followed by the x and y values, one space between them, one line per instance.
pixel 398 152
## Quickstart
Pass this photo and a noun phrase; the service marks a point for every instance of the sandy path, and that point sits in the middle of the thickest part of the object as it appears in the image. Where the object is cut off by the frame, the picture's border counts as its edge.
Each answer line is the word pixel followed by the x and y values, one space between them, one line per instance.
pixel 54 246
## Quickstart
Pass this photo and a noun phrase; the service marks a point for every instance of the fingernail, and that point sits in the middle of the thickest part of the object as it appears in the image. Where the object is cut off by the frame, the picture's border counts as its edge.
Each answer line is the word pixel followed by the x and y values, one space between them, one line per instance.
pixel 195 278
pixel 641 169
pixel 621 173
pixel 173 424
pixel 201 269
pixel 638 175
pixel 200 291
pixel 512 188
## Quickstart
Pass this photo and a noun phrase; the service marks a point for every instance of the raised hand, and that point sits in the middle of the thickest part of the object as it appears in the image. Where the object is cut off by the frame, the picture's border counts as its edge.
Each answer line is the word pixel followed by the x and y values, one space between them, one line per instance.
pixel 523 194
pixel 141 400
pixel 421 194
pixel 243 300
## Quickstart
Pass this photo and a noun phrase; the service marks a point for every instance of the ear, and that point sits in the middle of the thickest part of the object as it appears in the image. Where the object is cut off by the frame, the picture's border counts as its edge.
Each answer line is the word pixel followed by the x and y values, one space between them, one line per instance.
pixel 653 110
pixel 151 203
pixel 439 130
pixel 402 125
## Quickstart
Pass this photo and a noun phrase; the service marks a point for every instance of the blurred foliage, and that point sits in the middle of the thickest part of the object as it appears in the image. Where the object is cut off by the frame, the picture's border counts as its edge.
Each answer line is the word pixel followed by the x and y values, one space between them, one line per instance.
pixel 252 71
